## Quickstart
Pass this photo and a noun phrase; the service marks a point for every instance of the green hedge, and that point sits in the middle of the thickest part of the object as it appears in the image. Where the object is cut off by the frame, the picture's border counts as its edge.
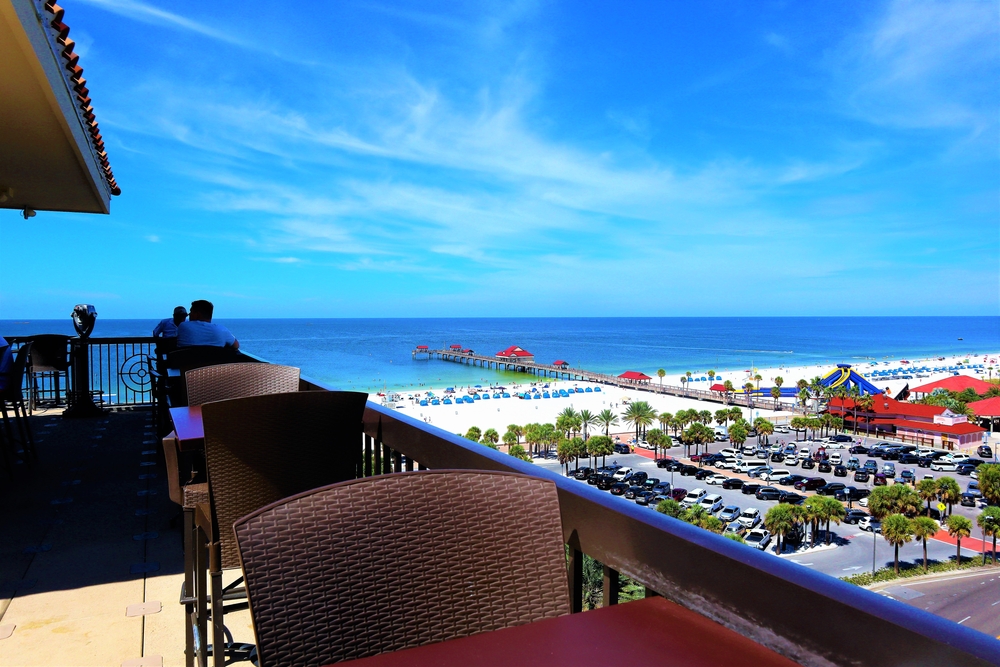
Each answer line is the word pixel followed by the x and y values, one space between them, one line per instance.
pixel 907 570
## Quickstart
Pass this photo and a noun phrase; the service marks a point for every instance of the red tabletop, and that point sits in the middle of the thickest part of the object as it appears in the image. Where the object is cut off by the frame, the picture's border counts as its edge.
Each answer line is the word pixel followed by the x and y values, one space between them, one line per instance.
pixel 188 427
pixel 652 631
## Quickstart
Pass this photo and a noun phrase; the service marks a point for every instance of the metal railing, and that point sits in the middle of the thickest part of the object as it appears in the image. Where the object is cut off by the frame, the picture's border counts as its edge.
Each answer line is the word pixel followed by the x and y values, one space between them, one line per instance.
pixel 119 372
pixel 812 618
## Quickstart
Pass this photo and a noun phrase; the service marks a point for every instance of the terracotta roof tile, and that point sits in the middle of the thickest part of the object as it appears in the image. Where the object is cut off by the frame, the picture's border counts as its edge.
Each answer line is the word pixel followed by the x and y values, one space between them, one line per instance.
pixel 954 383
pixel 72 65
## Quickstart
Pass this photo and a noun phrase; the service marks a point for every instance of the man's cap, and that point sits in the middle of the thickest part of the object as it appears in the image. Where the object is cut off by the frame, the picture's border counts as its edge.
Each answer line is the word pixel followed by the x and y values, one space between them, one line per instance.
pixel 180 310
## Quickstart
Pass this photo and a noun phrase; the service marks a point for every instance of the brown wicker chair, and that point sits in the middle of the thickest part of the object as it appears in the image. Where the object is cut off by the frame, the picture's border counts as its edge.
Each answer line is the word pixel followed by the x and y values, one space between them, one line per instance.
pixel 396 561
pixel 258 450
pixel 206 384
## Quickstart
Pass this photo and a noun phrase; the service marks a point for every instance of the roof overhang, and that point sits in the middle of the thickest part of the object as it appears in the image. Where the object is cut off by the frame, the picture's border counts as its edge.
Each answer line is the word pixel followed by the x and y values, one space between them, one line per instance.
pixel 53 156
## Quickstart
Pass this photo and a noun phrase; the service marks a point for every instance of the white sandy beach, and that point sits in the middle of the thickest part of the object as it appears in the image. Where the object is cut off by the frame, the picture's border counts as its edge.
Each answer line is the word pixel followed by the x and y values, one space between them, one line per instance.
pixel 498 413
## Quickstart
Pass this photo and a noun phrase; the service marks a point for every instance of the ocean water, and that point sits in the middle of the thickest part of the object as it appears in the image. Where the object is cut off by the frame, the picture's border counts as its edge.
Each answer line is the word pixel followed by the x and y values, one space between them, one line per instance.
pixel 372 354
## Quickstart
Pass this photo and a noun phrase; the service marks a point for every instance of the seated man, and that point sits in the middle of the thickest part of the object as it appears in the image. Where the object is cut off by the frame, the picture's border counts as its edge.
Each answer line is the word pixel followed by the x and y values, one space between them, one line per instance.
pixel 167 328
pixel 199 330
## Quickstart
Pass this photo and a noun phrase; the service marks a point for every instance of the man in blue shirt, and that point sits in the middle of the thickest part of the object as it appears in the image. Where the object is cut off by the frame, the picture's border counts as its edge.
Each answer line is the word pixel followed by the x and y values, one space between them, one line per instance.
pixel 167 328
pixel 200 330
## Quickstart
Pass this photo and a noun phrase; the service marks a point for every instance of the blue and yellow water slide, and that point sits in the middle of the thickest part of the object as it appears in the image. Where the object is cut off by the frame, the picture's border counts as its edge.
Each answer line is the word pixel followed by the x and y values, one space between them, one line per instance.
pixel 843 376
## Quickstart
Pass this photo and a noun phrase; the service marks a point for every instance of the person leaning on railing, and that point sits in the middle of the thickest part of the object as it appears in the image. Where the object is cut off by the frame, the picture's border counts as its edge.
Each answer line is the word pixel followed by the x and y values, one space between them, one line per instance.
pixel 199 330
pixel 6 361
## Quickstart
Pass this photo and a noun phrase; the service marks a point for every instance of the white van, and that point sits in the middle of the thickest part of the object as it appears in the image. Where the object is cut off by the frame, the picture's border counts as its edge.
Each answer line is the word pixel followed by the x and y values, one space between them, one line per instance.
pixel 835 459
pixel 693 497
pixel 728 463
pixel 749 464
pixel 729 452
pixel 774 474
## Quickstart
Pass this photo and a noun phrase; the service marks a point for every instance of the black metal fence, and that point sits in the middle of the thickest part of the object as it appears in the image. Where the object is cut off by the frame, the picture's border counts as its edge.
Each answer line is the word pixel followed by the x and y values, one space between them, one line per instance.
pixel 119 373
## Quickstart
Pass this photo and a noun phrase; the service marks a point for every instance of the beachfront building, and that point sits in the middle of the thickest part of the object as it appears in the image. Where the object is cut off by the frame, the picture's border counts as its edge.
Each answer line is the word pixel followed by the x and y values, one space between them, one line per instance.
pixel 954 383
pixel 987 412
pixel 560 364
pixel 515 353
pixel 930 425
pixel 635 377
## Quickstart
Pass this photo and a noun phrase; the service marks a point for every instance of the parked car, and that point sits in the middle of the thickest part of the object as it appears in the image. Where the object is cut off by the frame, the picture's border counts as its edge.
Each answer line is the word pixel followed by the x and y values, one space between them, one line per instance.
pixel 662 488
pixel 688 471
pixel 580 473
pixel 908 459
pixel 750 489
pixel 768 493
pixel 759 538
pixel 621 474
pixel 853 516
pixel 870 466
pixel 808 464
pixel 861 476
pixel 622 448
pixel 851 493
pixel 750 517
pixel 606 482
pixel 868 523
pixel 840 471
pixel 716 479
pixel 858 449
pixel 678 494
pixel 730 513
pixel 736 528
pixel 889 469
pixel 711 502
pixel 733 483
pixel 825 466
pixel 791 498
pixel 810 484
pixel 756 472
pixel 853 463
pixel 633 491
pixel 964 468
pixel 791 480
pixel 831 488
pixel 840 437
pixel 777 457
pixel 985 451
pixel 664 462
pixel 880 479
pixel 944 466
pixel 970 499
pixel 637 478
pixel 619 488
pixel 703 473
pixel 694 497
pixel 907 476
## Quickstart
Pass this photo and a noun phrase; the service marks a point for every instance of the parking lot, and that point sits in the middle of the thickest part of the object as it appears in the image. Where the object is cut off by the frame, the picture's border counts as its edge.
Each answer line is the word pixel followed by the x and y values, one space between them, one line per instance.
pixel 854 547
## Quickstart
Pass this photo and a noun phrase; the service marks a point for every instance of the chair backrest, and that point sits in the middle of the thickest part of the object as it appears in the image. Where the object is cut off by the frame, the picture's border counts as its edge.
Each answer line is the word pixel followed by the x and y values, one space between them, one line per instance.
pixel 49 352
pixel 196 356
pixel 396 561
pixel 11 386
pixel 225 381
pixel 263 448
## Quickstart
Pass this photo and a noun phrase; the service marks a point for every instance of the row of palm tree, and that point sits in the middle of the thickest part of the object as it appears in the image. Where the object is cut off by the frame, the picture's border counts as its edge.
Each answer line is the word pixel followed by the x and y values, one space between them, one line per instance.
pixel 824 424
pixel 784 518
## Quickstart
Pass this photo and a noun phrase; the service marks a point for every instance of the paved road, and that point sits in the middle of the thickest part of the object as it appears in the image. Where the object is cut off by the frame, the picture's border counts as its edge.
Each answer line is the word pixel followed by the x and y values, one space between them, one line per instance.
pixel 972 600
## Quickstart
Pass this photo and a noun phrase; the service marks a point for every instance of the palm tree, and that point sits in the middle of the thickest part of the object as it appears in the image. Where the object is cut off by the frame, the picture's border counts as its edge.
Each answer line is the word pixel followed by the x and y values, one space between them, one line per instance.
pixel 660 374
pixel 687 374
pixel 833 511
pixel 747 388
pixel 600 445
pixel 949 491
pixel 722 417
pixel 781 520
pixel 958 527
pixel 474 434
pixel 518 452
pixel 608 419
pixel 711 376
pixel 510 438
pixel 757 378
pixel 684 381
pixel 778 381
pixel 738 433
pixel 775 394
pixel 866 402
pixel 516 430
pixel 763 428
pixel 729 389
pixel 657 439
pixel 641 414
pixel 735 414
pixel 989 482
pixel 803 396
pixel 896 530
pixel 924 527
pixel 564 453
pixel 927 489
pixel 587 419
pixel 491 436
pixel 989 522
pixel 814 511
pixel 664 418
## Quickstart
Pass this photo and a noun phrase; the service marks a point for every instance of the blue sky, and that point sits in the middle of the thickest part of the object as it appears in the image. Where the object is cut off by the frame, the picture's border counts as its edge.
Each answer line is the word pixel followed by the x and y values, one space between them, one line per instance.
pixel 360 159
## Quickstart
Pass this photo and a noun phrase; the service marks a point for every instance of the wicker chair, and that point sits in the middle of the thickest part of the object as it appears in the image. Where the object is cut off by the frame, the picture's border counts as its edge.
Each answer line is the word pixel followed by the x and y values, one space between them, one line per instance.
pixel 11 393
pixel 204 385
pixel 258 450
pixel 396 561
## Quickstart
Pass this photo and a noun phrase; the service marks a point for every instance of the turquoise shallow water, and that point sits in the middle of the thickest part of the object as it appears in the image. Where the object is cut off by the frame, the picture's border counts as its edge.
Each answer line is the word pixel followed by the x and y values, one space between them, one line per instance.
pixel 370 354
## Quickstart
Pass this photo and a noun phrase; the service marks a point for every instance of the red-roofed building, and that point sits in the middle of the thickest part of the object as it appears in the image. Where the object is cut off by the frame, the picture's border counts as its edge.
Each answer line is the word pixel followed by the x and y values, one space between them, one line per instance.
pixel 559 363
pixel 515 353
pixel 953 383
pixel 635 376
pixel 988 411
pixel 912 422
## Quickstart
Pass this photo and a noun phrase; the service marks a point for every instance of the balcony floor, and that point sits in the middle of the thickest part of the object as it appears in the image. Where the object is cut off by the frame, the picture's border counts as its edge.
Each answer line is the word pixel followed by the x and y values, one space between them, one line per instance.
pixel 80 526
